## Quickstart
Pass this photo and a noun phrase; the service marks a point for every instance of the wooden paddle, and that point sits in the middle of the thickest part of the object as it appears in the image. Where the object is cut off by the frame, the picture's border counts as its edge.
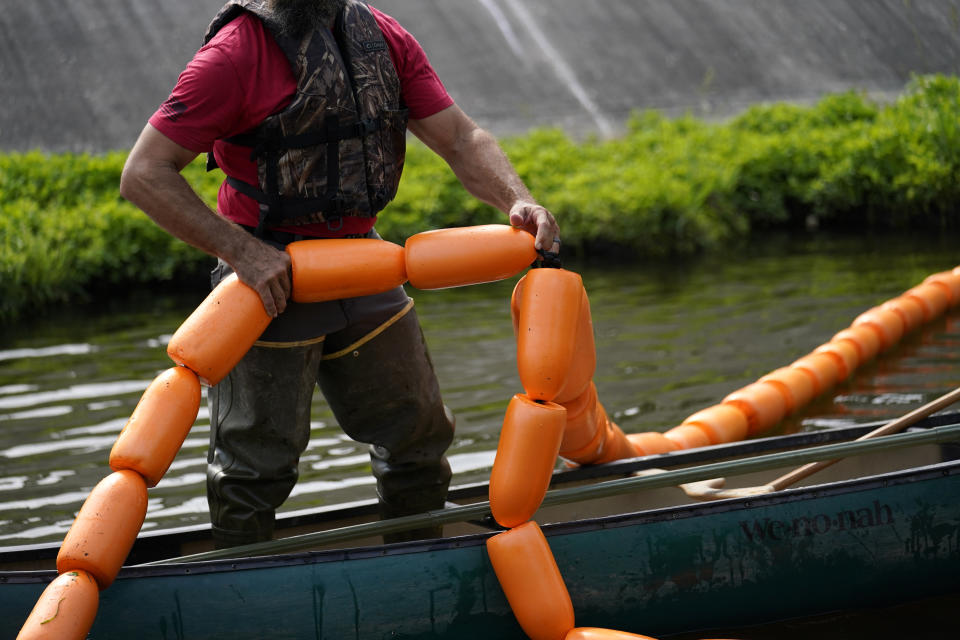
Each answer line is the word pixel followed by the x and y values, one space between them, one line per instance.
pixel 713 489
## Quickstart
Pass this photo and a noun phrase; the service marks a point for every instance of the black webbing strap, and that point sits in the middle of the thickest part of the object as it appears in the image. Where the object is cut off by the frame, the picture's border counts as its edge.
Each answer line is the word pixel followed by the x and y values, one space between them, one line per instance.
pixel 293 207
pixel 260 143
pixel 333 162
pixel 547 260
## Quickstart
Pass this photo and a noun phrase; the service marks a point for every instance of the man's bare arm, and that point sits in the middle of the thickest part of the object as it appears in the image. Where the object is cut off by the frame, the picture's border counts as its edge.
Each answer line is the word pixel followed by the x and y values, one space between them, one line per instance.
pixel 480 164
pixel 151 180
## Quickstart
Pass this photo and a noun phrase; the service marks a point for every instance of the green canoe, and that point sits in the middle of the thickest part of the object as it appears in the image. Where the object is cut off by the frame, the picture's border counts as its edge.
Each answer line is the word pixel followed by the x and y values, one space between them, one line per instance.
pixel 880 527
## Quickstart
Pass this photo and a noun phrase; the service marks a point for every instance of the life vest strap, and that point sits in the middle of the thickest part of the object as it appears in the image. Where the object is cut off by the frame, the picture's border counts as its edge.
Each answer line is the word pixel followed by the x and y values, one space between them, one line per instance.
pixel 260 143
pixel 332 208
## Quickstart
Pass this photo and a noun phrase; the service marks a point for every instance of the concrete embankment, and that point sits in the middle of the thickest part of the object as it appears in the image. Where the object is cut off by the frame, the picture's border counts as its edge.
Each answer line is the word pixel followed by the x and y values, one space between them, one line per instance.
pixel 85 75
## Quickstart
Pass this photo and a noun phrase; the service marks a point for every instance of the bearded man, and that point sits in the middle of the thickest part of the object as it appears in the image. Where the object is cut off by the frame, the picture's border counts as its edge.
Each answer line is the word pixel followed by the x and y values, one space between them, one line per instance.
pixel 305 104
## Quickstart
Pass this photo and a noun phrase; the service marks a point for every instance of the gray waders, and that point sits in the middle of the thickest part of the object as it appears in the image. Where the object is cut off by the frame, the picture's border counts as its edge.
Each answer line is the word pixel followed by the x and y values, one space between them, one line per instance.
pixel 372 365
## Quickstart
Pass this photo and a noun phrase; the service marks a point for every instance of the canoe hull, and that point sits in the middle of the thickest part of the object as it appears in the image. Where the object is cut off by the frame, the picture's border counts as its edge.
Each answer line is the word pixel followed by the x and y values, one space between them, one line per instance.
pixel 841 546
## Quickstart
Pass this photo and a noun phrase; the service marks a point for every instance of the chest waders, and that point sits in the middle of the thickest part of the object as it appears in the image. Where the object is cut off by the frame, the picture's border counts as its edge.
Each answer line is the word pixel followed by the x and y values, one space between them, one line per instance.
pixel 337 150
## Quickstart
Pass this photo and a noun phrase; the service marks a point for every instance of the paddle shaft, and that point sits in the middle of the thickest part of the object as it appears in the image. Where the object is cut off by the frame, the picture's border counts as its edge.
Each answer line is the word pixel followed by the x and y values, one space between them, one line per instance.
pixel 895 426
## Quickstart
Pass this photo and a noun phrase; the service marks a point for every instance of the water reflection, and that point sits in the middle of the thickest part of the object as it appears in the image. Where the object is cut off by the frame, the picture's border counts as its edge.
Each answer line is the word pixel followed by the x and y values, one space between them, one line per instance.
pixel 671 339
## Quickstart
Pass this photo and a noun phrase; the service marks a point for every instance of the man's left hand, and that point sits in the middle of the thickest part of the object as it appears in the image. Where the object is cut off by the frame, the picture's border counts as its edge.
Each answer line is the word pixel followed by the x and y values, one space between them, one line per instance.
pixel 539 222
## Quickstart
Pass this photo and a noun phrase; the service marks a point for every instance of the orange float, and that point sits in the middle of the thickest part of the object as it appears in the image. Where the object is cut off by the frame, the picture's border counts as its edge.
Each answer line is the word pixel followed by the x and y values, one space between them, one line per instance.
pixel 584 358
pixel 866 341
pixel 651 443
pixel 594 633
pixel 616 445
pixel 65 610
pixel 687 436
pixel 934 298
pixel 950 281
pixel 584 361
pixel 590 452
pixel 158 426
pixel 467 255
pixel 909 309
pixel 547 330
pixel 337 268
pixel 763 404
pixel 822 369
pixel 515 305
pixel 581 427
pixel 531 580
pixel 795 385
pixel 721 423
pixel 220 331
pixel 886 323
pixel 101 537
pixel 845 355
pixel 526 456
pixel 590 436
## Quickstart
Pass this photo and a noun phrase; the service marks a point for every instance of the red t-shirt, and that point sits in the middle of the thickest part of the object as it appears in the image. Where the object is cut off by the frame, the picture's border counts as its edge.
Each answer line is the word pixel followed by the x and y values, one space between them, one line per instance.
pixel 242 76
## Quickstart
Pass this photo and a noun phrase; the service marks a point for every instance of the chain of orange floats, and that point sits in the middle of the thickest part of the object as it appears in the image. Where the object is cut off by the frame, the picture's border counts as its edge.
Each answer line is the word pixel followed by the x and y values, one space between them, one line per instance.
pixel 559 413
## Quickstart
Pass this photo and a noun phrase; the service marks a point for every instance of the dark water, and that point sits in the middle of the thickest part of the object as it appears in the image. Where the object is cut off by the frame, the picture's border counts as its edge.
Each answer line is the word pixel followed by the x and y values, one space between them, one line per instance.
pixel 671 339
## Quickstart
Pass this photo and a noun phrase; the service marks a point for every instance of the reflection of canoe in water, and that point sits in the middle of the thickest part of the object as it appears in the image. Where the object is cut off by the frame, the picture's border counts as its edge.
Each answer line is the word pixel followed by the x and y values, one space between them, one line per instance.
pixel 878 528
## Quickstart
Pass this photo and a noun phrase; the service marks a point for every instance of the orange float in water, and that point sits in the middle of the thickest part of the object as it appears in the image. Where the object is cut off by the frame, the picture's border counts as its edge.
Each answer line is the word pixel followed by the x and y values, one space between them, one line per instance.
pixel 106 527
pixel 526 455
pixel 549 313
pixel 909 309
pixel 950 280
pixel 594 633
pixel 158 426
pixel 721 423
pixel 796 386
pixel 467 255
pixel 845 355
pixel 934 298
pixel 65 610
pixel 888 325
pixel 763 404
pixel 688 436
pixel 220 331
pixel 337 268
pixel 865 339
pixel 822 369
pixel 651 443
pixel 531 580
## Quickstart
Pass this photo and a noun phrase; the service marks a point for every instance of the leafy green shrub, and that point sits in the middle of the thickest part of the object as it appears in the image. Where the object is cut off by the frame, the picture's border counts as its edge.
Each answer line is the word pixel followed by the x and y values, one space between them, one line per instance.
pixel 666 187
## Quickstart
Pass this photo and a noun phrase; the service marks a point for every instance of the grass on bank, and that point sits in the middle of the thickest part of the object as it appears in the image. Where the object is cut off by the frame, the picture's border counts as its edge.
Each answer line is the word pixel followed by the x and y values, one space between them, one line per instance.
pixel 667 187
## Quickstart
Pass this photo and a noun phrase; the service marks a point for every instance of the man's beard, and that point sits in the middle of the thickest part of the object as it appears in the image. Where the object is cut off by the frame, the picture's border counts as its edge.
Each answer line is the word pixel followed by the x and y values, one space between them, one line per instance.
pixel 297 17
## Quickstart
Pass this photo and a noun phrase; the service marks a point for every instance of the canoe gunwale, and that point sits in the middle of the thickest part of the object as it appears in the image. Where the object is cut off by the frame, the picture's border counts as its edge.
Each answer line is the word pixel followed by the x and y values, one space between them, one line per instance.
pixel 674 513
pixel 622 468
pixel 157 543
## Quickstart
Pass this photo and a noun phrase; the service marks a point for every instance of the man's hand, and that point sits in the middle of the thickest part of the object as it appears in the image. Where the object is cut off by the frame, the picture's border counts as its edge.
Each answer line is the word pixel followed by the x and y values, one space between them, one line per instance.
pixel 267 271
pixel 151 180
pixel 539 222
pixel 486 172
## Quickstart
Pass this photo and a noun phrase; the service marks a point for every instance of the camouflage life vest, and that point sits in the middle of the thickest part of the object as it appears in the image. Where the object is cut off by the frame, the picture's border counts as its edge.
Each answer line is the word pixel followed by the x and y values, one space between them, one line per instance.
pixel 338 149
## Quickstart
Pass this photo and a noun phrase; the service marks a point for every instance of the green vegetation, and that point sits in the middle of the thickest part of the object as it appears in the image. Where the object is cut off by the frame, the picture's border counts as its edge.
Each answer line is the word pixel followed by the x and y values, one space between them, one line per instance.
pixel 667 187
